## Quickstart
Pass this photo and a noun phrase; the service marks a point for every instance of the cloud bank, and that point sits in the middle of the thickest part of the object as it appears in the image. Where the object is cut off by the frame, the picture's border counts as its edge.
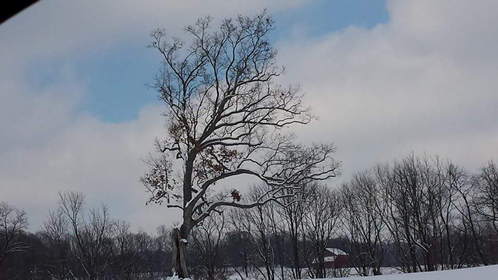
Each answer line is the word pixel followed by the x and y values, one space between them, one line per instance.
pixel 423 82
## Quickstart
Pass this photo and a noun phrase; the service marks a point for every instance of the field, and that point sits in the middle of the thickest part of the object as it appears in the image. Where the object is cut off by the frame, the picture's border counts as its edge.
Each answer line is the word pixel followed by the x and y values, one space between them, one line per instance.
pixel 478 273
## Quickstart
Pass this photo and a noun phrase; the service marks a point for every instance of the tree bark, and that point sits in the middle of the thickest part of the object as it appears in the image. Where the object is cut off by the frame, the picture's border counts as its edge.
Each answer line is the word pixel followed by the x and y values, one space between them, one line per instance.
pixel 179 245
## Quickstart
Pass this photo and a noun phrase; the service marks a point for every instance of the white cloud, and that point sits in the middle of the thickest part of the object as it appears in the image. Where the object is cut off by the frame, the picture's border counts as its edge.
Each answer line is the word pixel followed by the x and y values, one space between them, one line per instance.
pixel 424 82
pixel 57 28
pixel 47 143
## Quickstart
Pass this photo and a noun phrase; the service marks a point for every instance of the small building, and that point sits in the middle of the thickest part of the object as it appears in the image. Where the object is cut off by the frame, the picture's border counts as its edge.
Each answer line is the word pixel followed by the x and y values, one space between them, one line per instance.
pixel 335 258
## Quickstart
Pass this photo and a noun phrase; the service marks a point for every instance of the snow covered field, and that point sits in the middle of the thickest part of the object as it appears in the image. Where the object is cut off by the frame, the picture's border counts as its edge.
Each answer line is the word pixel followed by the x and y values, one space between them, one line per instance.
pixel 478 273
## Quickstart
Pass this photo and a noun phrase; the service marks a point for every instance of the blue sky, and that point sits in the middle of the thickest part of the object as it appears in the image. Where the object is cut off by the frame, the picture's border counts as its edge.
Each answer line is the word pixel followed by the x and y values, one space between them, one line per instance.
pixel 385 79
pixel 322 17
pixel 116 77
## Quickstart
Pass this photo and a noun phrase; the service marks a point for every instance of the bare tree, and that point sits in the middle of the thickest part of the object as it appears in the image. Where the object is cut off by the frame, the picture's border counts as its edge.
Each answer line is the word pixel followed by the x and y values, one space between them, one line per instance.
pixel 208 240
pixel 57 238
pixel 486 183
pixel 163 235
pixel 364 215
pixel 413 211
pixel 163 250
pixel 258 223
pixel 432 211
pixel 225 119
pixel 398 218
pixel 461 181
pixel 130 253
pixel 90 231
pixel 123 250
pixel 320 222
pixel 240 242
pixel 13 222
pixel 291 212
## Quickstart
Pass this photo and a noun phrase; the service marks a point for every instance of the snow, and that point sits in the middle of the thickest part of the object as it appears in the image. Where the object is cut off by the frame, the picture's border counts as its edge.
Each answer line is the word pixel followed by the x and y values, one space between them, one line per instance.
pixel 328 259
pixel 176 278
pixel 476 273
pixel 336 251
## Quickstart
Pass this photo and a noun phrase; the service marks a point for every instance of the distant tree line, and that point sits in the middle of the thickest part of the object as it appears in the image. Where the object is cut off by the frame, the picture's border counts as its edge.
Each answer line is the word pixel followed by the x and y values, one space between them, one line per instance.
pixel 427 213
pixel 416 214
pixel 78 243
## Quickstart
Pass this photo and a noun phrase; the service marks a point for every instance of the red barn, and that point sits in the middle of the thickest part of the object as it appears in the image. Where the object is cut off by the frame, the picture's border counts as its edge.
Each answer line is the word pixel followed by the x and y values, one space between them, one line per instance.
pixel 336 258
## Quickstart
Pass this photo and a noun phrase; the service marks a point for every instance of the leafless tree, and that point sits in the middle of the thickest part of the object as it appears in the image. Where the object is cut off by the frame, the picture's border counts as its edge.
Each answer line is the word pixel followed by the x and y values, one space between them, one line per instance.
pixel 163 249
pixel 90 231
pixel 13 222
pixel 56 236
pixel 291 212
pixel 123 250
pixel 130 253
pixel 259 224
pixel 208 239
pixel 364 215
pixel 86 243
pixel 397 220
pixel 486 183
pixel 226 118
pixel 432 212
pixel 407 190
pixel 461 181
pixel 163 237
pixel 415 211
pixel 241 242
pixel 444 197
pixel 321 218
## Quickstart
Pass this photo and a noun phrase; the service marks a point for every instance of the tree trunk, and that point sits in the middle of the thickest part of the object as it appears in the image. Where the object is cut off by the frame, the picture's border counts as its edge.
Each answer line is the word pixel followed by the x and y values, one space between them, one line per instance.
pixel 179 245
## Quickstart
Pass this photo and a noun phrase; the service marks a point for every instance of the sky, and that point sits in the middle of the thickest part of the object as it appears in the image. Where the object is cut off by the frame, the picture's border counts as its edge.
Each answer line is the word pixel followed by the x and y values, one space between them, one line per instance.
pixel 385 78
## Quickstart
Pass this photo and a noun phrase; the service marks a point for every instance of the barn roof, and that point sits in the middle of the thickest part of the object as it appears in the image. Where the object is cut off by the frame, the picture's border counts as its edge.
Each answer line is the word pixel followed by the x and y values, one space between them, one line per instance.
pixel 337 252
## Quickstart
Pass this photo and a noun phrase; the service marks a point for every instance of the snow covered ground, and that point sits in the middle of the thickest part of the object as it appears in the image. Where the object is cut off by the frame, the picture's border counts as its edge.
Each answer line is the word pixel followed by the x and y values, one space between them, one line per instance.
pixel 477 273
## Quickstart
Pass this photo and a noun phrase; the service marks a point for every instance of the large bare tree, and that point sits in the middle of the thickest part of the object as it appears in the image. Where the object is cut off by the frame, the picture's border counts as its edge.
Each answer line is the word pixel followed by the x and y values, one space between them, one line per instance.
pixel 226 117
